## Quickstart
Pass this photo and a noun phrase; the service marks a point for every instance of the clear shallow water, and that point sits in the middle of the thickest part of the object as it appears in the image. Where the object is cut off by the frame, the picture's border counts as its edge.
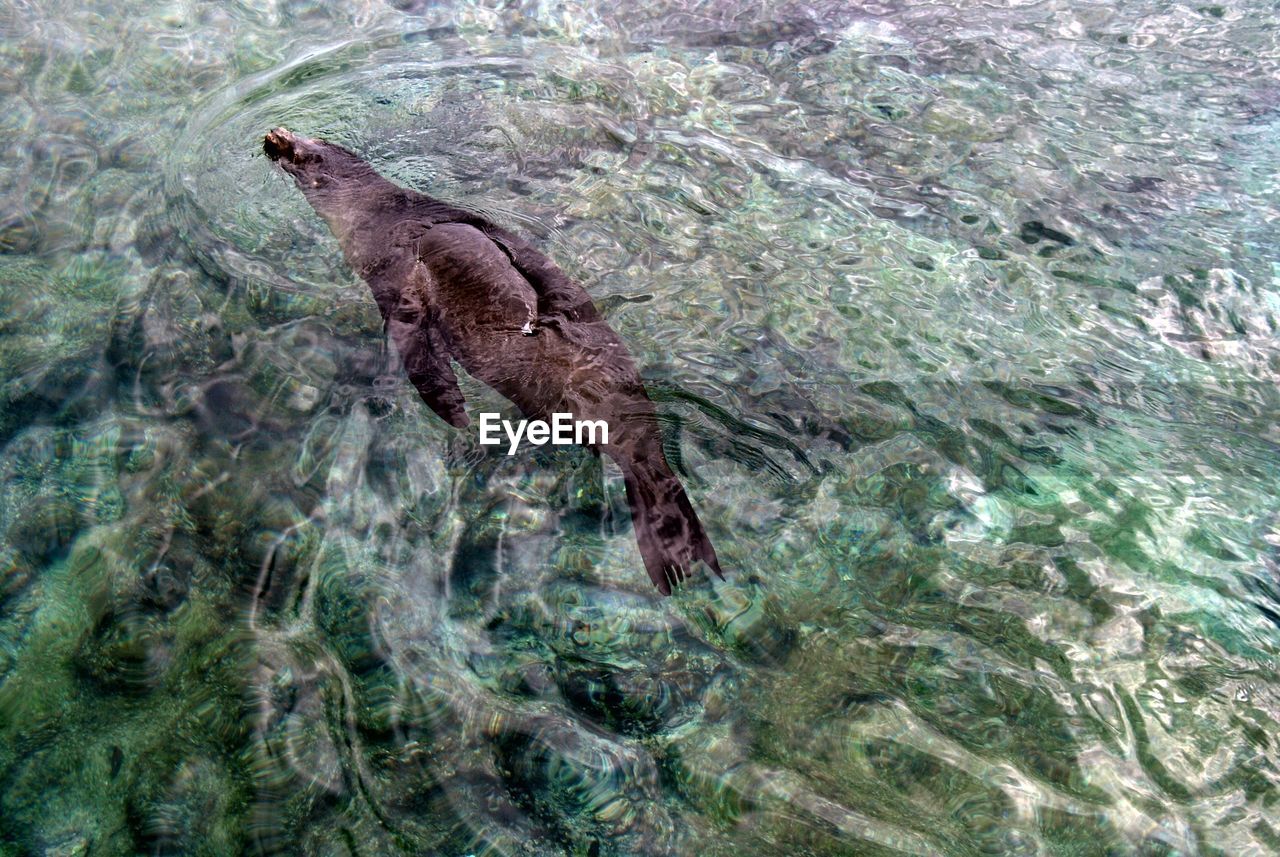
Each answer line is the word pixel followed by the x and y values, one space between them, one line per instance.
pixel 963 323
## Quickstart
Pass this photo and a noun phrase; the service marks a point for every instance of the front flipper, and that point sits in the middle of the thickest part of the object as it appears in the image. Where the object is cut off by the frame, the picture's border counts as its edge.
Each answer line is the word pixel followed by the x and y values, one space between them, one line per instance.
pixel 426 361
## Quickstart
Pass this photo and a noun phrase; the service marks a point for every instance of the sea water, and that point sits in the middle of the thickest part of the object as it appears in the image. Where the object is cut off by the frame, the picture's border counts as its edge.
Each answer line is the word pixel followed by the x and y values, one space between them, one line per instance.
pixel 961 324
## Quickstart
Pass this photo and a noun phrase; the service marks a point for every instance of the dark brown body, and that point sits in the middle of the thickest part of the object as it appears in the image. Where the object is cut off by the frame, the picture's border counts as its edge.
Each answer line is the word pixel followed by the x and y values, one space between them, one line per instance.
pixel 452 286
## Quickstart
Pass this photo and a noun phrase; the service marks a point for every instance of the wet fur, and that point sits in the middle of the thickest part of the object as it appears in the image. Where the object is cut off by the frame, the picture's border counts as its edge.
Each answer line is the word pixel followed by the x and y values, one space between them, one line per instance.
pixel 453 287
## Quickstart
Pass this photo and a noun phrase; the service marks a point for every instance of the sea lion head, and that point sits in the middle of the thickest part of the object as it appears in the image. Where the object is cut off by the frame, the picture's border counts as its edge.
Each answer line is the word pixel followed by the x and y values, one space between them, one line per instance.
pixel 314 163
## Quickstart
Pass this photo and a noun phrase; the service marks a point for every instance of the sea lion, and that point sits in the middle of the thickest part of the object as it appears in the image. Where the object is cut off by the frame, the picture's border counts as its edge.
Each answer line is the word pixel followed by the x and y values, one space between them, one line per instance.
pixel 452 286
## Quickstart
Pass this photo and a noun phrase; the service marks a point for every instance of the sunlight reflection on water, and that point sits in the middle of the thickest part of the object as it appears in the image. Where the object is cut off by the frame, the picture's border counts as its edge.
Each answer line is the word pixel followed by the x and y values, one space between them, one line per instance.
pixel 961 322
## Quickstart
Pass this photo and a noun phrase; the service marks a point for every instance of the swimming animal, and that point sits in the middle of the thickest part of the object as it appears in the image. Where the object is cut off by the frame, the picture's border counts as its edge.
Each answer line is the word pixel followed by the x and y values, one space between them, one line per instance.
pixel 454 287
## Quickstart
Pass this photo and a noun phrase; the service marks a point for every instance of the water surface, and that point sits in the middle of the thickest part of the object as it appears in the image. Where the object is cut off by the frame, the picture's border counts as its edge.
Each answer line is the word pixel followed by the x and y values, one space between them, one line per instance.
pixel 962 323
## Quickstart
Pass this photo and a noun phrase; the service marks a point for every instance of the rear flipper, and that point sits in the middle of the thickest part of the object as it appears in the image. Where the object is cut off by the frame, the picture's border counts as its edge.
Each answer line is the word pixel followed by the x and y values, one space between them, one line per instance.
pixel 668 531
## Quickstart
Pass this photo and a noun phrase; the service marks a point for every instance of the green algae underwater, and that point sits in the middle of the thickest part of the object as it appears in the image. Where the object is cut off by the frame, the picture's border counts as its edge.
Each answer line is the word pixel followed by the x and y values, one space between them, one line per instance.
pixel 961 321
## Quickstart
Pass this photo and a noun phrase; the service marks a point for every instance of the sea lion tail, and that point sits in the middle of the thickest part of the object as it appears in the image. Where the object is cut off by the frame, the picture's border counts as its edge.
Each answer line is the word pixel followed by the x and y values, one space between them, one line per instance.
pixel 670 536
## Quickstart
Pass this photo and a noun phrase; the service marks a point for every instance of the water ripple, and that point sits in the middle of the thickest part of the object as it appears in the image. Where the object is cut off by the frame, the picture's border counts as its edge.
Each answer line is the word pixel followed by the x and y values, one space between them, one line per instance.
pixel 961 326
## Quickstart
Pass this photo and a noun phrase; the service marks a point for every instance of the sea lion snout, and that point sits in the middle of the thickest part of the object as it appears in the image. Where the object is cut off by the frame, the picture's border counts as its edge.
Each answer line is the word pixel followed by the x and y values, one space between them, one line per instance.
pixel 278 144
pixel 315 164
pixel 284 146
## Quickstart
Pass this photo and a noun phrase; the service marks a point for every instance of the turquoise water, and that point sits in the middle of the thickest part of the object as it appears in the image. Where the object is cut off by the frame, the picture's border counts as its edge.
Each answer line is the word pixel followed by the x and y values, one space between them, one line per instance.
pixel 962 323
